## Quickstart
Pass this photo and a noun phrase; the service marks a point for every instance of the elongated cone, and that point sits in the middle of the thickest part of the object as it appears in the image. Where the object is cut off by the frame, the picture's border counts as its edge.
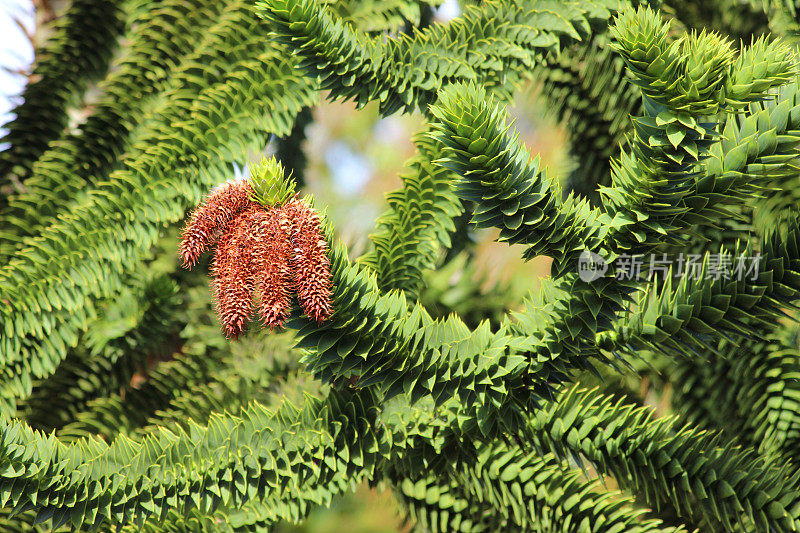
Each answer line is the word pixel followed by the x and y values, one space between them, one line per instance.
pixel 271 251
pixel 312 271
pixel 234 274
pixel 213 219
pixel 264 250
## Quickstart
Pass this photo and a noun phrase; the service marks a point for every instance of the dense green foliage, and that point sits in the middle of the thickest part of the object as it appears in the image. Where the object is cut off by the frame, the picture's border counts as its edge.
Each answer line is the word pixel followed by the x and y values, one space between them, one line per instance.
pixel 123 407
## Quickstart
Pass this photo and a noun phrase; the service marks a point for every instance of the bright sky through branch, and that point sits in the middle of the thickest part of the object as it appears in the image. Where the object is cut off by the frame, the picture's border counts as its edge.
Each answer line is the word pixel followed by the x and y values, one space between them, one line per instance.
pixel 448 10
pixel 16 53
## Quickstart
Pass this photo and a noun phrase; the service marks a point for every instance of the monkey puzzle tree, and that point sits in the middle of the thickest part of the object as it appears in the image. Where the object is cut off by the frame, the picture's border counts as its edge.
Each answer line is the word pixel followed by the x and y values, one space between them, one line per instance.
pixel 124 407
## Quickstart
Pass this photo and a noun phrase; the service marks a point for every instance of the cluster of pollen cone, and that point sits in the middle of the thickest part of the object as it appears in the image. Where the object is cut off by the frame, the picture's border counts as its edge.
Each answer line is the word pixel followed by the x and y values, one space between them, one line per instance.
pixel 264 254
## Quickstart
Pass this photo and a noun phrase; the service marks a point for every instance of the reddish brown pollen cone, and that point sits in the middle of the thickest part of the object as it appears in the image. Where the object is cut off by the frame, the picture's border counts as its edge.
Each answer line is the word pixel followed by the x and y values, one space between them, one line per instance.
pixel 265 251
pixel 234 276
pixel 212 219
pixel 271 251
pixel 312 271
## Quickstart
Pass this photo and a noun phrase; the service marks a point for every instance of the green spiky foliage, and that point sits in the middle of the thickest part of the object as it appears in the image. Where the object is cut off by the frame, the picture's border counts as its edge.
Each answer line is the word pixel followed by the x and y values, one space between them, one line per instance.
pixel 200 35
pixel 77 53
pixel 585 86
pixel 124 407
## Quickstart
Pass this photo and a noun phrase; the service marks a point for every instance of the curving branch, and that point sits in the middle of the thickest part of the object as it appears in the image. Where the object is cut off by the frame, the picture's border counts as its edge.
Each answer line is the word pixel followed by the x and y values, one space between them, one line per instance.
pixel 78 52
pixel 493 44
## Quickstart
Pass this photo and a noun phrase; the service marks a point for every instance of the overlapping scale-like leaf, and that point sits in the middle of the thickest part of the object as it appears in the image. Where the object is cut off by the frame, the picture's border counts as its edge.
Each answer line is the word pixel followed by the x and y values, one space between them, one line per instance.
pixel 417 224
pixel 166 35
pixel 509 489
pixel 719 295
pixel 694 471
pixel 291 451
pixel 586 87
pixel 163 174
pixel 750 392
pixel 507 188
pixel 492 44
pixel 79 51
